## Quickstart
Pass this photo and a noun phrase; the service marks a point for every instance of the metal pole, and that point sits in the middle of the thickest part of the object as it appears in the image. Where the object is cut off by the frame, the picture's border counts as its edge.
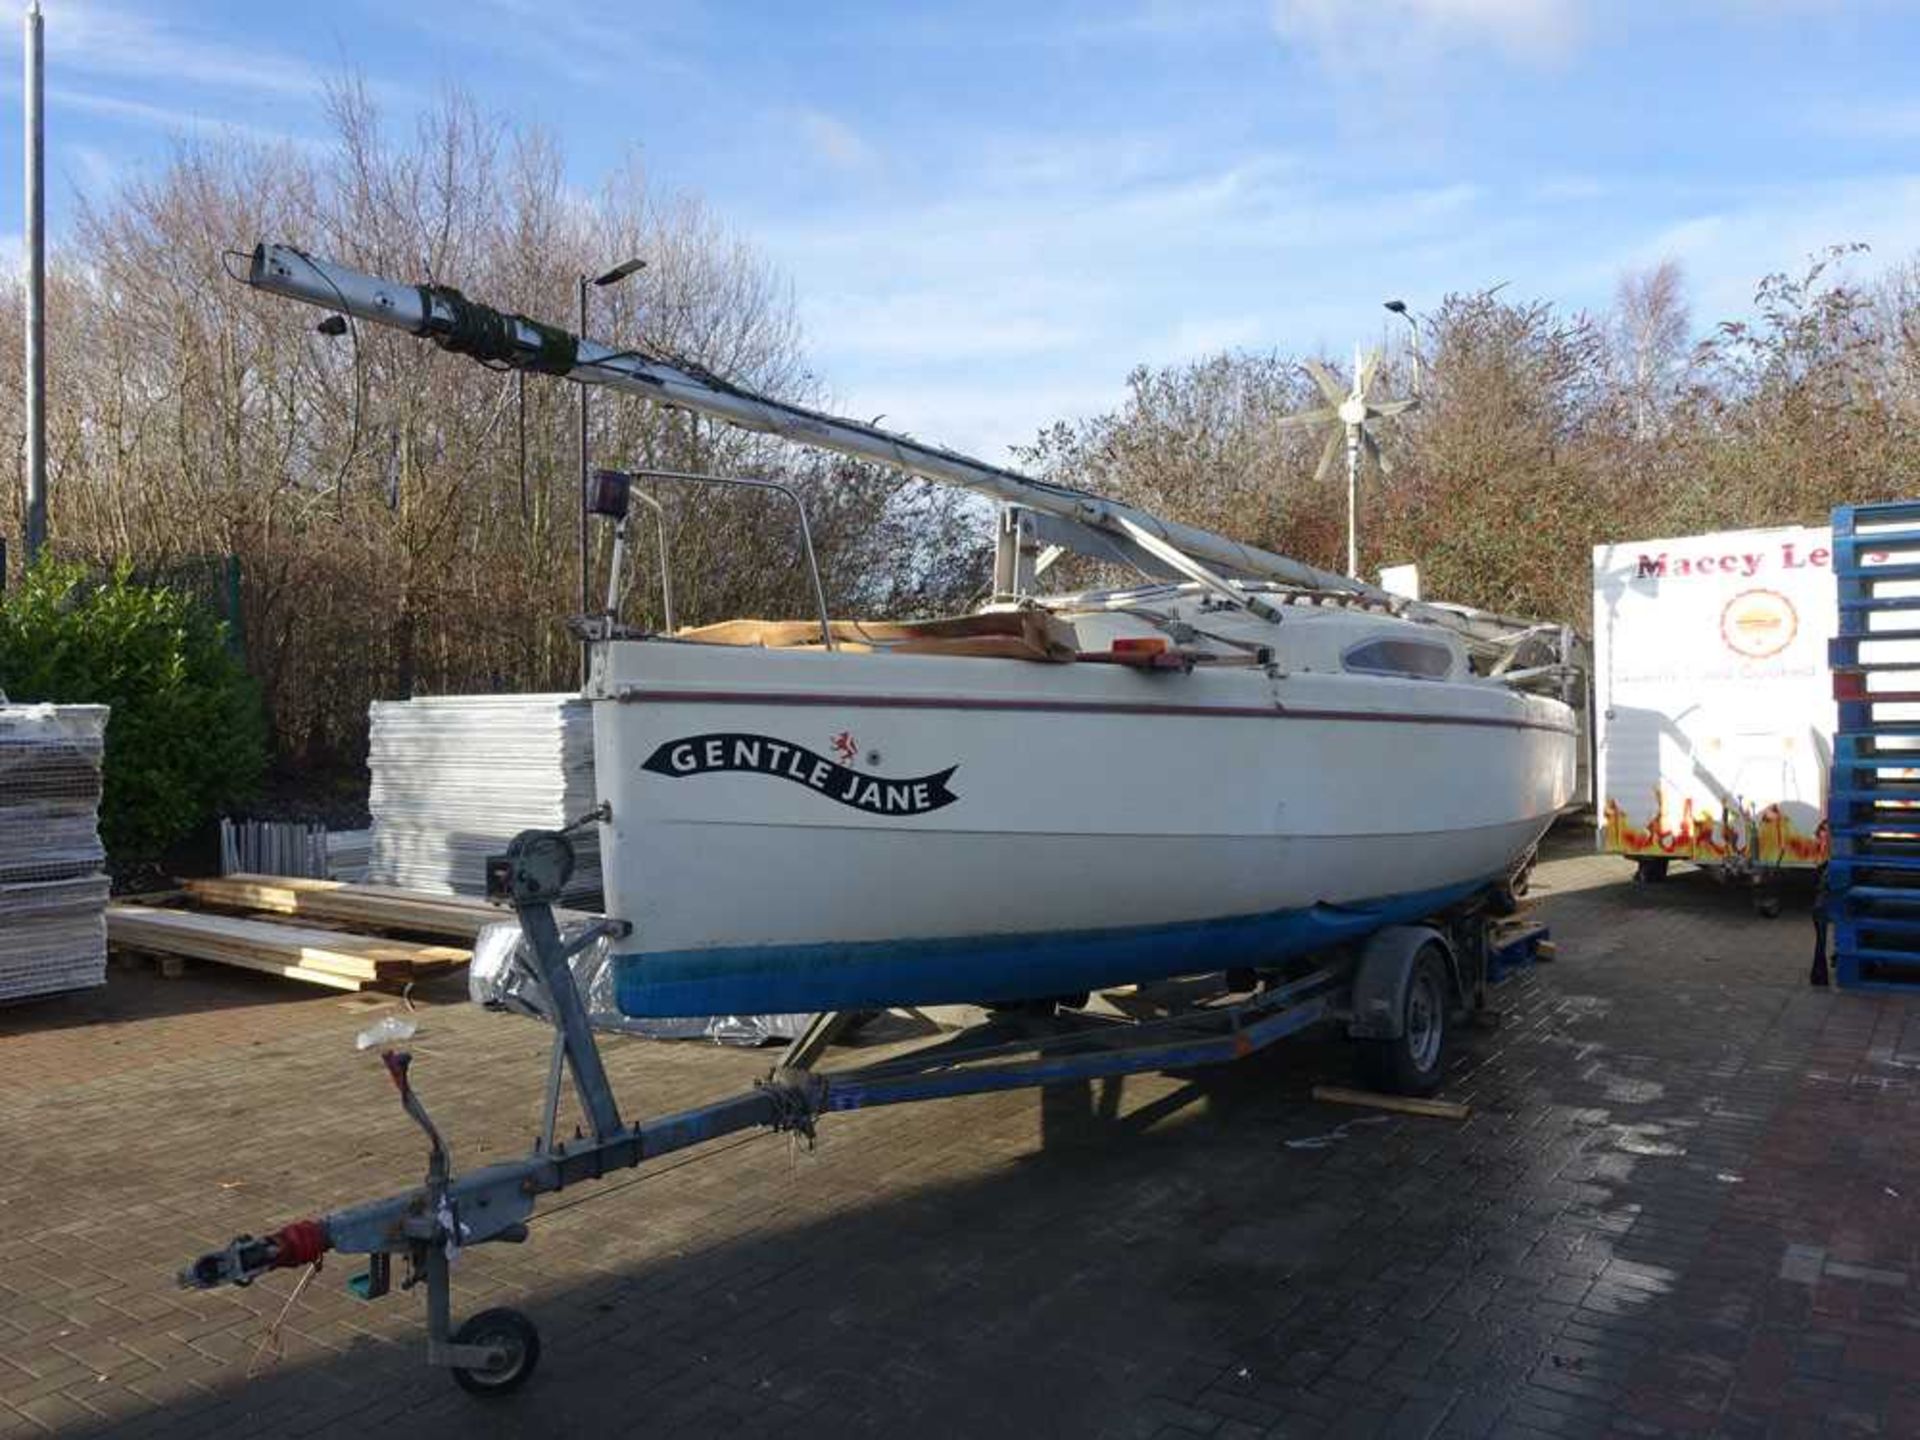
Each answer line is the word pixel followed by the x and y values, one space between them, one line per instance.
pixel 1399 307
pixel 799 507
pixel 586 603
pixel 36 351
pixel 1419 384
pixel 1353 501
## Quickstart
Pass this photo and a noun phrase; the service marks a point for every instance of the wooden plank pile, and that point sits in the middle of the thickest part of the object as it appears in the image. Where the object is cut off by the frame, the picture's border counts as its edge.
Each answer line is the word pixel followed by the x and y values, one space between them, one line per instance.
pixel 323 957
pixel 330 902
pixel 320 931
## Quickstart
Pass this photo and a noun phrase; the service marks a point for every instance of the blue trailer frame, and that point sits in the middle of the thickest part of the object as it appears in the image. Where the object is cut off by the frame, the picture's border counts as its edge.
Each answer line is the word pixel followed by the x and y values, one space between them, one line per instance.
pixel 1371 984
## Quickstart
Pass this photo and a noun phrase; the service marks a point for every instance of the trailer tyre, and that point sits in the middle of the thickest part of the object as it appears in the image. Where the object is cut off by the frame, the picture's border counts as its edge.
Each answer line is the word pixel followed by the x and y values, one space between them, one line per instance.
pixel 1650 869
pixel 1413 1062
pixel 516 1337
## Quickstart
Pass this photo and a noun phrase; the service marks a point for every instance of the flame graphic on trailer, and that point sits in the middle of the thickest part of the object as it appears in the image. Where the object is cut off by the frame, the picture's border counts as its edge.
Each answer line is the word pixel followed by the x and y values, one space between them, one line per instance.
pixel 1714 713
pixel 1736 836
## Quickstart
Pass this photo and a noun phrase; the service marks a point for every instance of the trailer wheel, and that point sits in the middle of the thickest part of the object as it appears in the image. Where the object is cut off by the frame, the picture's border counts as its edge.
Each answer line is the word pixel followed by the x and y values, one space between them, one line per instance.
pixel 1412 1062
pixel 1650 869
pixel 515 1335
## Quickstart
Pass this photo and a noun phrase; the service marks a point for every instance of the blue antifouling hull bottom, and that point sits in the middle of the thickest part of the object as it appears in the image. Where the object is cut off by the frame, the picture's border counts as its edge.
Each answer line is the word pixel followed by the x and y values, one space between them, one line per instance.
pixel 871 975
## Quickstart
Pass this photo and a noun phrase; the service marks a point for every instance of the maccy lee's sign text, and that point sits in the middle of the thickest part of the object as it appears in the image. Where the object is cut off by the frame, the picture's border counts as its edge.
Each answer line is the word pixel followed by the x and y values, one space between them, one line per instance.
pixel 1787 555
pixel 783 760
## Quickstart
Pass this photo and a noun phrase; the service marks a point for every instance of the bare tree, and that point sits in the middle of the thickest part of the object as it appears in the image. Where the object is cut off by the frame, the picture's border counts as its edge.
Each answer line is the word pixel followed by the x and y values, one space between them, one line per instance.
pixel 1653 331
pixel 1543 433
pixel 406 519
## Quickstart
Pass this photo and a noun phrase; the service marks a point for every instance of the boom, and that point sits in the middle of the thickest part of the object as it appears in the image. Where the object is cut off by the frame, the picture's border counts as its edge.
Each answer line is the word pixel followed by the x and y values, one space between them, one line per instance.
pixel 453 322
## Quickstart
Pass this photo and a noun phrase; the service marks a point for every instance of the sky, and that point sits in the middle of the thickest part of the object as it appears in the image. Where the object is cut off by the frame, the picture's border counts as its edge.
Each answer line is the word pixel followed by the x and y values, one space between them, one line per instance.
pixel 990 212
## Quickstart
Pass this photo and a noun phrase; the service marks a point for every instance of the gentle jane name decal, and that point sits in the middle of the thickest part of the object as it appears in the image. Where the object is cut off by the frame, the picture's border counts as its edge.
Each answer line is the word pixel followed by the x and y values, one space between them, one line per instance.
pixel 763 755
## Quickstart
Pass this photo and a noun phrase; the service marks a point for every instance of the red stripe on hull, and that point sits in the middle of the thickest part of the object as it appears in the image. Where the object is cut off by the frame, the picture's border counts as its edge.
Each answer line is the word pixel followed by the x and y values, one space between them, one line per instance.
pixel 935 702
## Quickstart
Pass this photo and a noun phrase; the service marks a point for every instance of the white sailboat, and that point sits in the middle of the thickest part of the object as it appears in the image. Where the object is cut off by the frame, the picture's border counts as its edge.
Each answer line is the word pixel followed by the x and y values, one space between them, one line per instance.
pixel 1247 760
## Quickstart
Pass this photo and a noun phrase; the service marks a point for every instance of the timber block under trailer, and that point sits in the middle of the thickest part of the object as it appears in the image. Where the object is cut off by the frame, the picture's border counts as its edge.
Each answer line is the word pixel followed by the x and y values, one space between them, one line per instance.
pixel 1398 992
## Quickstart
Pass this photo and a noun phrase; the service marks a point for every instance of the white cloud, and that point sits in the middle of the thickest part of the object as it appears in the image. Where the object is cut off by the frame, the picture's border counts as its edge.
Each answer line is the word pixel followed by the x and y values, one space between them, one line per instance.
pixel 1563 188
pixel 834 141
pixel 1079 233
pixel 1165 20
pixel 94 39
pixel 173 120
pixel 897 324
pixel 1730 248
pixel 1895 120
pixel 984 418
pixel 91 170
pixel 1728 241
pixel 1022 288
pixel 1394 35
pixel 582 43
pixel 1198 336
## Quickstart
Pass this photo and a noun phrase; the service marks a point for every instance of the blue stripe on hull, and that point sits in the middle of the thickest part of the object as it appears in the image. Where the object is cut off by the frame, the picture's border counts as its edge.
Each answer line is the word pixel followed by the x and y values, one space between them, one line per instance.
pixel 869 975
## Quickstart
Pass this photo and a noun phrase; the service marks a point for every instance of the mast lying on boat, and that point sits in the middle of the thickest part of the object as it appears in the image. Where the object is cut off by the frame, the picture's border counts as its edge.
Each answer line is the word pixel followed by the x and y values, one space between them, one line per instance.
pixel 453 322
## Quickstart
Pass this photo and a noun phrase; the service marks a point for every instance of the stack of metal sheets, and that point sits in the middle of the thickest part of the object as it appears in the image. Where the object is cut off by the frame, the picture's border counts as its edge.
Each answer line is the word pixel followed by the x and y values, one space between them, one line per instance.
pixel 53 896
pixel 455 777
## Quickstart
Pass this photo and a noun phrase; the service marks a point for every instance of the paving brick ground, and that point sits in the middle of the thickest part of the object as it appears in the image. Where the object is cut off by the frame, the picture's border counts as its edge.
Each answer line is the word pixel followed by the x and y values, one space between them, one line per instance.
pixel 1684 1205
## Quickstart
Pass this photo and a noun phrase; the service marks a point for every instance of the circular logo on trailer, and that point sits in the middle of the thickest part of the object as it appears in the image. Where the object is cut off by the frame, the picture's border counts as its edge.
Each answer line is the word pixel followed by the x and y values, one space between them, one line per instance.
pixel 1759 623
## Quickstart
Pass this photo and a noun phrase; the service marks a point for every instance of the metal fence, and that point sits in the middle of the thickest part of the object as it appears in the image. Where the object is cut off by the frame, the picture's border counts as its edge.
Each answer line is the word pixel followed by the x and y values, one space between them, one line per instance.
pixel 273 847
pixel 214 580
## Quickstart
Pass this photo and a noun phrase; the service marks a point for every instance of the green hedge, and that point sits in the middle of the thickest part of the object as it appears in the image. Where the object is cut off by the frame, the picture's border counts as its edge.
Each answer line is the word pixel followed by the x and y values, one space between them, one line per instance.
pixel 187 735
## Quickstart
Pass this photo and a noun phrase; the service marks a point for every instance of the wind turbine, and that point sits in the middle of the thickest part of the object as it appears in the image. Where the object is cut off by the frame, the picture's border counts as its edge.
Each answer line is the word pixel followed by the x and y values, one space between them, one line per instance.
pixel 1346 416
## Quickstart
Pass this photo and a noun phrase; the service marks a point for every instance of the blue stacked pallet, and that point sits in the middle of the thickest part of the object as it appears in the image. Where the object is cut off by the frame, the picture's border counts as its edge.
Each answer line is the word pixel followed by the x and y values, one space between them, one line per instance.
pixel 1873 796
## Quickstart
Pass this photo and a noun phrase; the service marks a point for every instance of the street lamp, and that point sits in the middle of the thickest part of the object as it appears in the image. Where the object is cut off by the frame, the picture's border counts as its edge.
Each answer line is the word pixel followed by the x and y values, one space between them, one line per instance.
pixel 1399 307
pixel 610 277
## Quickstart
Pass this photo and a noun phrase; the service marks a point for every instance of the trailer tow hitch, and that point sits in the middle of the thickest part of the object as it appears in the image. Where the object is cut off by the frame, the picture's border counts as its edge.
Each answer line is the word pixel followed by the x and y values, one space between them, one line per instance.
pixel 248 1257
pixel 496 1350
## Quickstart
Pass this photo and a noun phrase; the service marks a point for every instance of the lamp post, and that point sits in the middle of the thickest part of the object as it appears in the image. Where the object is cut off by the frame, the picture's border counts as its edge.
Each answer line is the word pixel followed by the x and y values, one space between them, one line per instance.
pixel 600 281
pixel 1399 307
pixel 36 278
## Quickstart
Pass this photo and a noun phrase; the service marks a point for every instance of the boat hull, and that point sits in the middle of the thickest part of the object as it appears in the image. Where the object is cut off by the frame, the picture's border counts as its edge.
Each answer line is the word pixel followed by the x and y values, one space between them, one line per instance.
pixel 809 831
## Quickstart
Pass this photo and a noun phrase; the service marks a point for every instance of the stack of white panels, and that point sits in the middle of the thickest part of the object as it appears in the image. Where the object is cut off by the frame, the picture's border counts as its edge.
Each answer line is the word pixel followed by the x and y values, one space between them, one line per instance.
pixel 455 777
pixel 53 896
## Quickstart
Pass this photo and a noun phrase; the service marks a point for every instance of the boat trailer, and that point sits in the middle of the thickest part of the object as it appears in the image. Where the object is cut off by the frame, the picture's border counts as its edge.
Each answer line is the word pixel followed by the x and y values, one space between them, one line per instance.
pixel 1384 986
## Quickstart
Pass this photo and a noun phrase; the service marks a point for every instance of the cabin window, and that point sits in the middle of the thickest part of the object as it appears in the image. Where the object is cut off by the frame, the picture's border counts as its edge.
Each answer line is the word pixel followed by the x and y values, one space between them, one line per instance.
pixel 1415 659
